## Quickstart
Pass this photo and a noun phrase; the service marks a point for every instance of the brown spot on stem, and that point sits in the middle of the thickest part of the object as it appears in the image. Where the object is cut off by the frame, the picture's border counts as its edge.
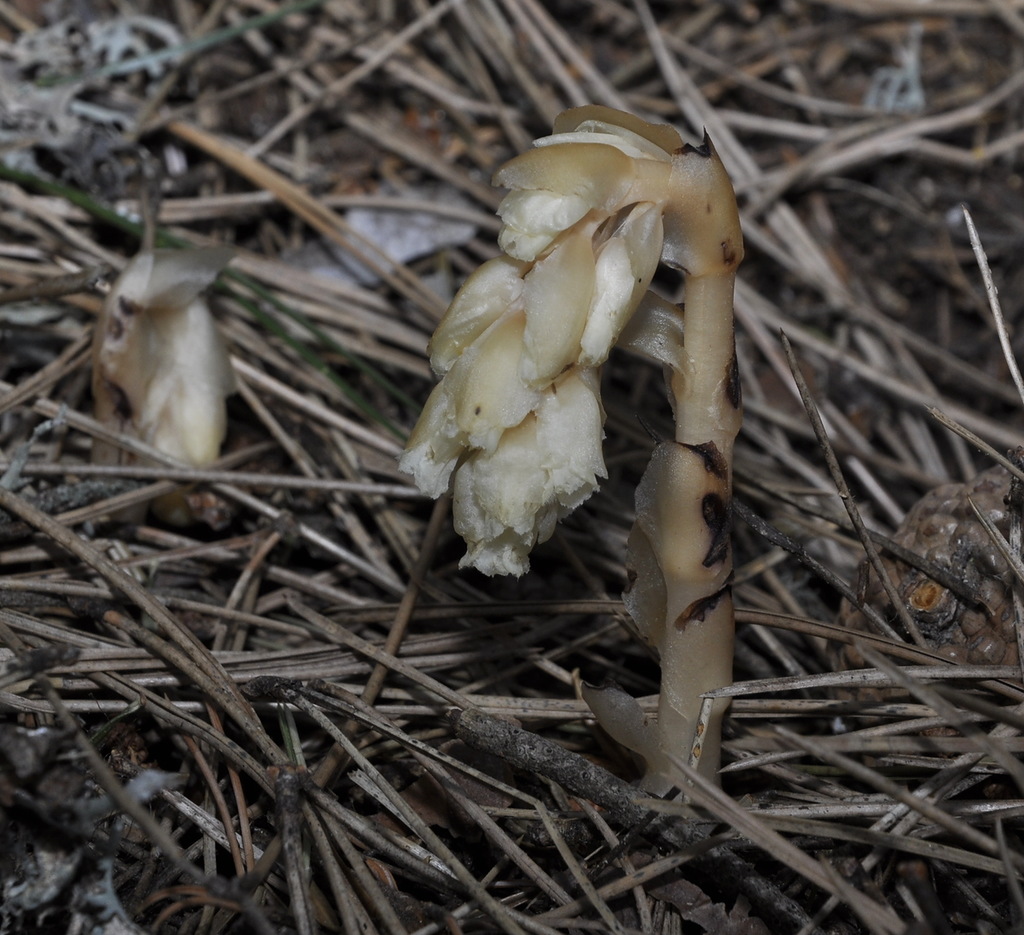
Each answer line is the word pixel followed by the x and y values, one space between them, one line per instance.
pixel 730 256
pixel 117 324
pixel 716 512
pixel 714 460
pixel 733 390
pixel 700 608
pixel 122 406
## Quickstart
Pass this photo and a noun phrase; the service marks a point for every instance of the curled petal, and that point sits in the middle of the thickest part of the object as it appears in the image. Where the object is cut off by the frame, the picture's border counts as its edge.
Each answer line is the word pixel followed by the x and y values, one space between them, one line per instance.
pixel 612 301
pixel 570 175
pixel 183 413
pixel 570 429
pixel 556 185
pixel 594 171
pixel 435 444
pixel 498 504
pixel 486 391
pixel 595 131
pixel 557 297
pixel 663 136
pixel 490 292
pixel 532 219
pixel 160 367
pixel 171 278
pixel 625 267
pixel 642 233
pixel 477 400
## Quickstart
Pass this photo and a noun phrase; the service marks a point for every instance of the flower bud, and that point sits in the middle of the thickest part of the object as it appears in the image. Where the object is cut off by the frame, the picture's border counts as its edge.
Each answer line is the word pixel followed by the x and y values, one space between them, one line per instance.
pixel 161 371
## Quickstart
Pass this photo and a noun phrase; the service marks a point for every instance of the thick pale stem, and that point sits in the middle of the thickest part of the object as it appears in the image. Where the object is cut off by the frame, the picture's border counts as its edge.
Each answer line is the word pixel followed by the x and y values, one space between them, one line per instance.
pixel 706 397
pixel 680 553
pixel 697 649
pixel 697 659
pixel 680 562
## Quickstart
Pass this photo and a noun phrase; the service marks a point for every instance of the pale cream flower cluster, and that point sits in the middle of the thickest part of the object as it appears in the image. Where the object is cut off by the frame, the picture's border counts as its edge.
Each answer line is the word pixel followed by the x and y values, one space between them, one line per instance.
pixel 517 417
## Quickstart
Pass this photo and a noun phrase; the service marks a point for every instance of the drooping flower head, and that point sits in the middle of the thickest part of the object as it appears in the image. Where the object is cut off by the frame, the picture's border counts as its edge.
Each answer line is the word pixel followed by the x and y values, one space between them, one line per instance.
pixel 514 428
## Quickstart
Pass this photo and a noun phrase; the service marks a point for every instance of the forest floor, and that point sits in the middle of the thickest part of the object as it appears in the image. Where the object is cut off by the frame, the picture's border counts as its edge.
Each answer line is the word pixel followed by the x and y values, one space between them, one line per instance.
pixel 297 713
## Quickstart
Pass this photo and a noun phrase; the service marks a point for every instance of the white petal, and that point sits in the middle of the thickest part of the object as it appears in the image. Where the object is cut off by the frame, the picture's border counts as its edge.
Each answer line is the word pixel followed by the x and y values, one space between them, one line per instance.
pixel 663 136
pixel 525 245
pixel 570 428
pixel 559 290
pixel 498 506
pixel 508 500
pixel 182 412
pixel 532 219
pixel 488 394
pixel 435 445
pixel 491 291
pixel 599 174
pixel 596 131
pixel 614 289
pixel 625 267
pixel 160 367
pixel 171 278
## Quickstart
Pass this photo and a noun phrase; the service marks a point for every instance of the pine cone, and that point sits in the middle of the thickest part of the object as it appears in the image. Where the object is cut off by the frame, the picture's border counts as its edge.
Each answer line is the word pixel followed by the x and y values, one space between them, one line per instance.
pixel 942 528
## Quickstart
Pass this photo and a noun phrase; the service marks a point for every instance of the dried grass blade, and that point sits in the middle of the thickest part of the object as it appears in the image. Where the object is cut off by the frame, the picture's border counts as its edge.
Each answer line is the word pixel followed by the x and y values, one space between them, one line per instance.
pixel 836 473
pixel 321 218
pixel 1013 884
pixel 993 300
pixel 706 795
pixel 923 807
pixel 952 716
pixel 496 909
pixel 178 646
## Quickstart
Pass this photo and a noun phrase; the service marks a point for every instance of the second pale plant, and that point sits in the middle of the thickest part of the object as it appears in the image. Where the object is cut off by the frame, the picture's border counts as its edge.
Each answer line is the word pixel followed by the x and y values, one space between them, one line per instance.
pixel 161 371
